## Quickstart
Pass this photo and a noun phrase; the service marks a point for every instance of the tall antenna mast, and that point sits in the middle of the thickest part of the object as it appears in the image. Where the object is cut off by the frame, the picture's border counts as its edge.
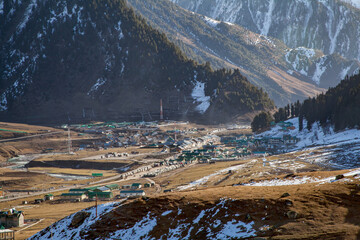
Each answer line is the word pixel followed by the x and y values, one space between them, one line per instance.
pixel 69 140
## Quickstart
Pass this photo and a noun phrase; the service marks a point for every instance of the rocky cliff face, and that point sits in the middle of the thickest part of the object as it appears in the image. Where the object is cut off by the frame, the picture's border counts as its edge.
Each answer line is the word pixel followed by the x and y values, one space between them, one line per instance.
pixel 331 26
pixel 322 35
pixel 228 45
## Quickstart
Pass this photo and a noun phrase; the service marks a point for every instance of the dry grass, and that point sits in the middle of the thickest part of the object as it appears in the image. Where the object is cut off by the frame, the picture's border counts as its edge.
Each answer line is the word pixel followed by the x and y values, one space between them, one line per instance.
pixel 71 171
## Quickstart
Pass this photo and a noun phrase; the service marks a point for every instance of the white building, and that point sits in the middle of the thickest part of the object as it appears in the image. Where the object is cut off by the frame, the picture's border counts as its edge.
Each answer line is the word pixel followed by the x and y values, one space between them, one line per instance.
pixel 131 193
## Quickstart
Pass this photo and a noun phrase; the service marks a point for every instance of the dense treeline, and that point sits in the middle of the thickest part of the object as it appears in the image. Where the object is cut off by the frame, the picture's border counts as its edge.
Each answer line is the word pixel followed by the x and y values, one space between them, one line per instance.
pixel 339 106
pixel 105 58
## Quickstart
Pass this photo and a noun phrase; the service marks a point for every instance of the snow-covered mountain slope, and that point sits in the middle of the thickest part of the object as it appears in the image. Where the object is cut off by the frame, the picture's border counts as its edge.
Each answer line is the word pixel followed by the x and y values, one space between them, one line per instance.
pixel 223 218
pixel 228 45
pixel 355 3
pixel 286 74
pixel 231 212
pixel 331 26
pixel 325 70
pixel 72 61
pixel 334 149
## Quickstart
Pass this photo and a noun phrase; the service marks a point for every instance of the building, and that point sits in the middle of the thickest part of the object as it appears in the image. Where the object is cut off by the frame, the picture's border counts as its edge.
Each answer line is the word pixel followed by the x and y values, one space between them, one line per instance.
pixel 74 196
pixel 135 185
pixel 101 189
pixel 1 192
pixel 112 186
pixel 7 234
pixel 49 197
pixel 104 196
pixel 12 218
pixel 131 193
pixel 147 185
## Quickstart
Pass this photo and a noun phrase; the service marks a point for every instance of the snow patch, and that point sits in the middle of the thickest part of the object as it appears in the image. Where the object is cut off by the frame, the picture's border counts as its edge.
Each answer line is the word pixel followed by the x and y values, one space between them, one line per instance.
pixel 236 229
pixel 118 28
pixel 268 18
pixel 61 230
pixel 166 213
pixel 198 93
pixel 140 230
pixel 206 178
pixel 211 22
pixel 3 102
pixel 344 72
pixel 319 70
pixel 101 81
pixel 1 7
pixel 32 5
pixel 355 3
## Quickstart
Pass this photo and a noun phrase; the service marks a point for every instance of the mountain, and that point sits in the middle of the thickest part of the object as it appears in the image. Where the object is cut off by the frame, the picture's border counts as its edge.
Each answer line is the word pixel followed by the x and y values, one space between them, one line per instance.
pixel 328 31
pixel 339 107
pixel 255 210
pixel 98 60
pixel 330 26
pixel 228 45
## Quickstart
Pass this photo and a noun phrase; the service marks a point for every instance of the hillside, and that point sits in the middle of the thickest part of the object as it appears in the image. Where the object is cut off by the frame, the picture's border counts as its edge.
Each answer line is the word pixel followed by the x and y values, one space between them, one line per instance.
pixel 97 60
pixel 339 107
pixel 261 59
pixel 330 26
pixel 322 36
pixel 222 213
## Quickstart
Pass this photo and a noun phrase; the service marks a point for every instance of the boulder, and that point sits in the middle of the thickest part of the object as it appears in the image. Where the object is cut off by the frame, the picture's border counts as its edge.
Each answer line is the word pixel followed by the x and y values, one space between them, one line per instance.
pixel 292 214
pixel 288 202
pixel 340 176
pixel 285 195
pixel 79 218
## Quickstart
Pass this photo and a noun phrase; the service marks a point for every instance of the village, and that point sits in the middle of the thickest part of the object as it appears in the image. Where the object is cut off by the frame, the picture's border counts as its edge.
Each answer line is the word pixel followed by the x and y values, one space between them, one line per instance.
pixel 173 146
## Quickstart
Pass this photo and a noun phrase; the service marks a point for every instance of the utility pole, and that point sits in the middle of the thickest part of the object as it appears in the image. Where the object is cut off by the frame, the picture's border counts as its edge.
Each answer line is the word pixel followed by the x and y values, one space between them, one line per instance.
pixel 69 141
pixel 161 111
pixel 96 204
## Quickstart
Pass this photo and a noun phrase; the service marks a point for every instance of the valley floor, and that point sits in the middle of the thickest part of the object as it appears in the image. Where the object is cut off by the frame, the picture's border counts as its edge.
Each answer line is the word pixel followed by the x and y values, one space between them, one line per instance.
pixel 304 194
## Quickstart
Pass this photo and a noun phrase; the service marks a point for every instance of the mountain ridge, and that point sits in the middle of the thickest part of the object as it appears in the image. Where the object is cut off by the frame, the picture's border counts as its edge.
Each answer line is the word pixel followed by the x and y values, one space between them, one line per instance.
pixel 286 74
pixel 81 61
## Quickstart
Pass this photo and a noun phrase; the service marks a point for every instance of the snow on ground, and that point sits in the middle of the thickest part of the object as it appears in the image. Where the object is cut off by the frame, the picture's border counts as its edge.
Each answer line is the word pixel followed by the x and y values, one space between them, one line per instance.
pixel 317 136
pixel 28 12
pixel 218 221
pixel 211 22
pixel 320 69
pixel 1 7
pixel 99 82
pixel 140 230
pixel 355 3
pixel 323 146
pixel 203 180
pixel 235 230
pixel 302 180
pixel 60 230
pixel 198 93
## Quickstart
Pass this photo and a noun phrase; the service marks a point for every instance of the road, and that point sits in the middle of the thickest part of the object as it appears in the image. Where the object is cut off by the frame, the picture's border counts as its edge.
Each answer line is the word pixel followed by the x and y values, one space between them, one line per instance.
pixel 133 175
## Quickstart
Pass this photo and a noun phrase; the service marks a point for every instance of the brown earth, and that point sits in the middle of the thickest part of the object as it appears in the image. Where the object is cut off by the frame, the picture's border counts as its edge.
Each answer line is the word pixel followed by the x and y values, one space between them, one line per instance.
pixel 327 211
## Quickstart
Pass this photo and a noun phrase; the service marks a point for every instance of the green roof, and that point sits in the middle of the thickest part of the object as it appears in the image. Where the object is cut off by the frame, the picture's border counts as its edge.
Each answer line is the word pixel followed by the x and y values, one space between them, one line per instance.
pixel 78 190
pixel 112 186
pixel 72 194
pixel 132 191
pixel 101 194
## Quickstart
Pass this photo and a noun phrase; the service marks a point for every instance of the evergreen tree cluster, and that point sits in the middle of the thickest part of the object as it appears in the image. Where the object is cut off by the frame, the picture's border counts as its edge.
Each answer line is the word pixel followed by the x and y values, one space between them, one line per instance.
pixel 261 121
pixel 106 58
pixel 339 106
